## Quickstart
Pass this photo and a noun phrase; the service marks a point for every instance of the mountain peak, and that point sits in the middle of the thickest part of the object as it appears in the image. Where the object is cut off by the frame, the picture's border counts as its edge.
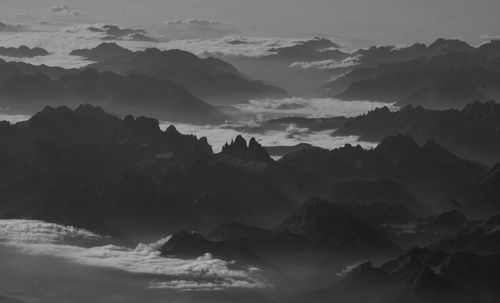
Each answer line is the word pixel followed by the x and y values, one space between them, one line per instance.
pixel 239 150
pixel 450 45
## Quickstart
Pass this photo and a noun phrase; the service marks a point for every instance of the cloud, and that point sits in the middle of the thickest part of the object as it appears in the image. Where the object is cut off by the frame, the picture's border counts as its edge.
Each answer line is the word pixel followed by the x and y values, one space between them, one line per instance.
pixel 115 32
pixel 489 37
pixel 232 45
pixel 12 118
pixel 35 232
pixel 46 239
pixel 326 64
pixel 197 29
pixel 64 10
pixel 198 22
pixel 257 111
pixel 309 107
pixel 5 27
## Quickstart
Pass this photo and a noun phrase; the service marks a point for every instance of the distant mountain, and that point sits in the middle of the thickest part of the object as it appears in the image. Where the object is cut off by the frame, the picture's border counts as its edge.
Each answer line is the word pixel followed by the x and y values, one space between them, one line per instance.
pixel 141 95
pixel 318 227
pixel 445 74
pixel 379 55
pixel 378 191
pixel 10 69
pixel 425 230
pixel 282 150
pixel 315 49
pixel 471 133
pixel 343 227
pixel 397 158
pixel 23 52
pixel 298 68
pixel 211 79
pixel 252 156
pixel 445 81
pixel 102 52
pixel 479 196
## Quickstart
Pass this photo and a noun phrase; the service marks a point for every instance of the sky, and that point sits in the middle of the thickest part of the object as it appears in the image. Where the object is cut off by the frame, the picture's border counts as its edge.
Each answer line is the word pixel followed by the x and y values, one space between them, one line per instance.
pixel 363 21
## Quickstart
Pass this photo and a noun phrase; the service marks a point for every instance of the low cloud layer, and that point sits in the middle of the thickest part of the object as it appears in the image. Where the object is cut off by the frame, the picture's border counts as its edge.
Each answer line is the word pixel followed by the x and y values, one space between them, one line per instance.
pixel 46 239
pixel 232 45
pixel 488 37
pixel 257 111
pixel 198 22
pixel 311 108
pixel 326 64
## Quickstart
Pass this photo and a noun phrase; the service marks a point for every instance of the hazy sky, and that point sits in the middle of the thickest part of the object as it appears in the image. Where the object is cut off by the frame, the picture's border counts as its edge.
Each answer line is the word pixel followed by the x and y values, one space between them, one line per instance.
pixel 381 21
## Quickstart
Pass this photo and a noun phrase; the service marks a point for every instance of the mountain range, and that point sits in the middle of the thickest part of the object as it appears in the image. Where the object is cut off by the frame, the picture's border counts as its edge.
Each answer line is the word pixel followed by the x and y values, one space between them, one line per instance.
pixel 445 74
pixel 208 78
pixel 471 132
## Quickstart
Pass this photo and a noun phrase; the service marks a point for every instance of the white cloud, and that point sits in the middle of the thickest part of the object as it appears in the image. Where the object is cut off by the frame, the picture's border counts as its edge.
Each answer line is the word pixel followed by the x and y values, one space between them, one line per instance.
pixel 12 118
pixel 35 232
pixel 327 64
pixel 78 246
pixel 348 269
pixel 202 22
pixel 230 45
pixel 489 37
pixel 63 9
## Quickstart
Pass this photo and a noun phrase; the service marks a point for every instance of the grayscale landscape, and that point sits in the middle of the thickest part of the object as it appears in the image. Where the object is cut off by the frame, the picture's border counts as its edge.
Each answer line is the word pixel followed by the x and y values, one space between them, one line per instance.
pixel 279 151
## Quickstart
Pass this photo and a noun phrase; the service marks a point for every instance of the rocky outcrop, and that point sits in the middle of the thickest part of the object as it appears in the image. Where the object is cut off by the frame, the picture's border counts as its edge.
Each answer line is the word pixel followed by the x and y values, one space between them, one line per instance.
pixel 238 153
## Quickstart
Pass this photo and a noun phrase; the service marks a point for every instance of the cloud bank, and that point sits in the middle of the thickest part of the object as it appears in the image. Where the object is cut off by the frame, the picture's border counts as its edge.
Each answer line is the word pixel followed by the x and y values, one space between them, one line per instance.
pixel 77 245
pixel 327 64
pixel 257 111
pixel 311 108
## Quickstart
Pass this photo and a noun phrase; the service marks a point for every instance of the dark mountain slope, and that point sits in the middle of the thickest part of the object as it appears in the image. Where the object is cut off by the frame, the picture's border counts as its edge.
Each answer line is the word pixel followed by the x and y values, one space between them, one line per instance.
pixel 90 169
